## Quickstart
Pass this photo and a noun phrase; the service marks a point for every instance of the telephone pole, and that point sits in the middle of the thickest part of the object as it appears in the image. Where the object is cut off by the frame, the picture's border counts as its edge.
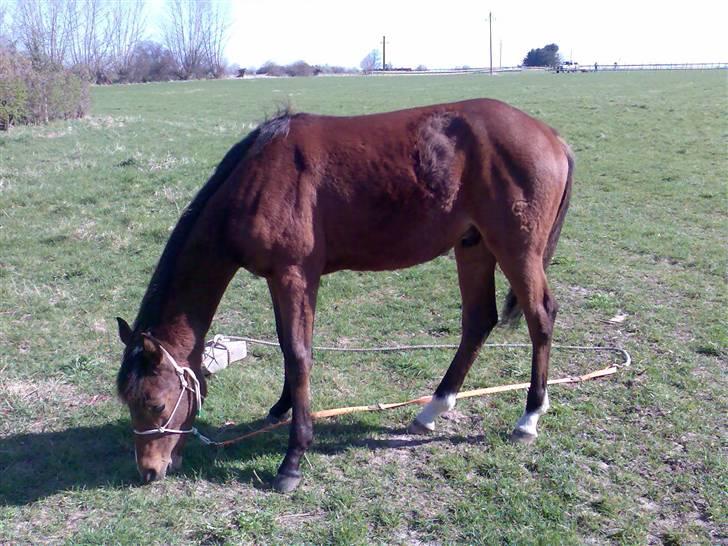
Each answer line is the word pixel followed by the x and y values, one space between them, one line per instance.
pixel 490 31
pixel 384 52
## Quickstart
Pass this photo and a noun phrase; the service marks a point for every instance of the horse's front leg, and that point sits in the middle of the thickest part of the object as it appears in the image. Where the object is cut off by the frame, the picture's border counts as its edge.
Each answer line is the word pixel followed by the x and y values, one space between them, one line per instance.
pixel 295 294
pixel 476 275
pixel 279 411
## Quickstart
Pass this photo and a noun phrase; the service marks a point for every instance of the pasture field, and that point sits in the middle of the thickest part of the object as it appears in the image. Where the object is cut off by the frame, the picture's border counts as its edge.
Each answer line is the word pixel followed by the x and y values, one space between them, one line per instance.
pixel 86 207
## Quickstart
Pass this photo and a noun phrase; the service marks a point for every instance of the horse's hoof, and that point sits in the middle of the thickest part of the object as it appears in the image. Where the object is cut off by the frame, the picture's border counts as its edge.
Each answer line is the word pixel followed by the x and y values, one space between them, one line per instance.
pixel 286 484
pixel 519 436
pixel 415 427
pixel 271 419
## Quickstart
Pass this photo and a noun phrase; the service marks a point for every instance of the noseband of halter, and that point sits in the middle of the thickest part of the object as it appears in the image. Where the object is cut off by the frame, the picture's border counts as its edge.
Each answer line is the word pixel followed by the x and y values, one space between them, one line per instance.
pixel 185 386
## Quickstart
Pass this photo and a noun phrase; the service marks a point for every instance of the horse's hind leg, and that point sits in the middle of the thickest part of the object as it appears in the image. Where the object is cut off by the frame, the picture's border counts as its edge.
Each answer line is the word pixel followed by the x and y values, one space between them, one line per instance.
pixel 528 281
pixel 476 275
pixel 295 293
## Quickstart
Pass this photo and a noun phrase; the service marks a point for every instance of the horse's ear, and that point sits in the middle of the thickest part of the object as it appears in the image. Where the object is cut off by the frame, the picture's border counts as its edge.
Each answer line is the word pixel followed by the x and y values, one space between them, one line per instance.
pixel 152 350
pixel 124 331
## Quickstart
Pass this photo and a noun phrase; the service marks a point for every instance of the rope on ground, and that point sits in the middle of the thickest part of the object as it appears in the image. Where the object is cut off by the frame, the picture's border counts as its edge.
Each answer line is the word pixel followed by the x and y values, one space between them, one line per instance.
pixel 324 414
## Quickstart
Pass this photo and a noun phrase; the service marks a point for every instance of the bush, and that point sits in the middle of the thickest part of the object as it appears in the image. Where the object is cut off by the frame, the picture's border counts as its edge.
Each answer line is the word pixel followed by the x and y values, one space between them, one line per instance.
pixel 271 69
pixel 28 95
pixel 326 69
pixel 150 62
pixel 299 68
pixel 14 71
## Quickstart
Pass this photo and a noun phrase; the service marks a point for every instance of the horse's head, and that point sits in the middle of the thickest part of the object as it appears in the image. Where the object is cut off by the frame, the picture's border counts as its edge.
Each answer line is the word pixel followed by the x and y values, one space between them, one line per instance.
pixel 163 397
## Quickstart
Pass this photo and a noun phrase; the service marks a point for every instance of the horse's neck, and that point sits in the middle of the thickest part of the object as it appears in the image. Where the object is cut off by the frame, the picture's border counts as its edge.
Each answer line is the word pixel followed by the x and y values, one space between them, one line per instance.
pixel 201 275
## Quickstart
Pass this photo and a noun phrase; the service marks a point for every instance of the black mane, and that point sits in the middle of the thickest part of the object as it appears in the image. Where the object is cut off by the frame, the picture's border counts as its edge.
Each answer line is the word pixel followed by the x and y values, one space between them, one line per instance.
pixel 149 310
pixel 150 307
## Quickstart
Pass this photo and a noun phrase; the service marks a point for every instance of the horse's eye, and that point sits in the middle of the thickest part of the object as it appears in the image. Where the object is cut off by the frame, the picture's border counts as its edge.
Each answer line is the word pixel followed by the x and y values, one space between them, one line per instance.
pixel 158 408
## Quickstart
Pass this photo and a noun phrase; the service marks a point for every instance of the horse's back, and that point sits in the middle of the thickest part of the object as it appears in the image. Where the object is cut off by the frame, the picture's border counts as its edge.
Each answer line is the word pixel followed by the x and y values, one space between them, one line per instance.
pixel 391 190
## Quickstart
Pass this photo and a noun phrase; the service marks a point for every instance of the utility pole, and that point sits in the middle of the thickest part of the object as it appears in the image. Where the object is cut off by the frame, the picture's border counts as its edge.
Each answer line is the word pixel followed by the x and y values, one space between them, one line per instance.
pixel 490 29
pixel 384 52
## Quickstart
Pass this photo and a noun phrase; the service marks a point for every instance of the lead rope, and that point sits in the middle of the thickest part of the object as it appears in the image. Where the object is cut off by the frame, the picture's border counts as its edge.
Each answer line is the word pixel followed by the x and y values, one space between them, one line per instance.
pixel 627 361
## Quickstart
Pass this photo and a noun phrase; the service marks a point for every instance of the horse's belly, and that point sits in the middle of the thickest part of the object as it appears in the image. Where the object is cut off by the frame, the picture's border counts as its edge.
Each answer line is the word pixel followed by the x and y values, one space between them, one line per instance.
pixel 389 246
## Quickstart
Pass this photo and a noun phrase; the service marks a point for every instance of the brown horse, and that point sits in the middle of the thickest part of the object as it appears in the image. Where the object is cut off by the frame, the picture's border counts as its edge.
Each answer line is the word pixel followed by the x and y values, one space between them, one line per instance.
pixel 305 195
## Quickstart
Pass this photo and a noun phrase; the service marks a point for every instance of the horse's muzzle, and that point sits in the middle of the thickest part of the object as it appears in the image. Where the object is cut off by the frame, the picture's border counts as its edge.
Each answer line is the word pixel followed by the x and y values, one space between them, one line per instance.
pixel 152 475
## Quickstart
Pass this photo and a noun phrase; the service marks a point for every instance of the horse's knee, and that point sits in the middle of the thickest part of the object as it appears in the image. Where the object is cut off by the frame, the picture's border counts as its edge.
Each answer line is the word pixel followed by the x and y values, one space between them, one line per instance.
pixel 296 356
pixel 478 324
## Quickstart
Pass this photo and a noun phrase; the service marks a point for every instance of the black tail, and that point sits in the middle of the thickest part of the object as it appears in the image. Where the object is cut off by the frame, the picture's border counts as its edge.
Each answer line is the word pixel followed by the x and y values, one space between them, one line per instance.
pixel 511 312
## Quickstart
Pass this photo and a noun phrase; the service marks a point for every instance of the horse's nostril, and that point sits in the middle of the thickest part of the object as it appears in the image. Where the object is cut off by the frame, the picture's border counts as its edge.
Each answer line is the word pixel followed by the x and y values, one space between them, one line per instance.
pixel 149 475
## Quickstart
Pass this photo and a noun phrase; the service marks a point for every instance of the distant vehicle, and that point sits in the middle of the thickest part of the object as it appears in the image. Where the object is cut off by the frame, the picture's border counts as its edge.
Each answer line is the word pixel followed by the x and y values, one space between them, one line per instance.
pixel 568 66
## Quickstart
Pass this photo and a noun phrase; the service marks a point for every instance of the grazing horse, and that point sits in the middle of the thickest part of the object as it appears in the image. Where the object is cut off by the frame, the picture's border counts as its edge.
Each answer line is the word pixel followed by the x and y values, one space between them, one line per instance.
pixel 304 195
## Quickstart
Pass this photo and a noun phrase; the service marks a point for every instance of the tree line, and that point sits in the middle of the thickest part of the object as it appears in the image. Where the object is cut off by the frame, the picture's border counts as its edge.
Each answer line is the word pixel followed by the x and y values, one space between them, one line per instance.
pixel 547 55
pixel 104 41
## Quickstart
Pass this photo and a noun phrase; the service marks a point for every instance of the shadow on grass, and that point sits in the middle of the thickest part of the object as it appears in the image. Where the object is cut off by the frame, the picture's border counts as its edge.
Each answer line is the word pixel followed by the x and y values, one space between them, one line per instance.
pixel 37 465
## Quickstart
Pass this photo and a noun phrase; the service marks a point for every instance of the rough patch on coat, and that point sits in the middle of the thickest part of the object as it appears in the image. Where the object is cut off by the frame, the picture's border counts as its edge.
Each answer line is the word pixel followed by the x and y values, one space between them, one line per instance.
pixel 435 156
pixel 526 215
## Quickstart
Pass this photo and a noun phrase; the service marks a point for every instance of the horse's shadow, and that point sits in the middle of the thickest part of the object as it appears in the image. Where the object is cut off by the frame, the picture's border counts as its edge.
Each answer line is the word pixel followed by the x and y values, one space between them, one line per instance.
pixel 37 465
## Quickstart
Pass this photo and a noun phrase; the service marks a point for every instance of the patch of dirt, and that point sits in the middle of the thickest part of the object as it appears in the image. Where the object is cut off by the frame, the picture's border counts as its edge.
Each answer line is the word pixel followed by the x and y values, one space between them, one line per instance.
pixel 43 389
pixel 106 122
pixel 294 520
pixel 86 231
pixel 455 416
pixel 44 398
pixel 407 536
pixel 57 134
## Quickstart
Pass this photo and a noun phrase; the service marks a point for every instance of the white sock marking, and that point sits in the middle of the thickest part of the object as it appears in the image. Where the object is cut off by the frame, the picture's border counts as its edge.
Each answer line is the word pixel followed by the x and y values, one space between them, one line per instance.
pixel 529 420
pixel 435 407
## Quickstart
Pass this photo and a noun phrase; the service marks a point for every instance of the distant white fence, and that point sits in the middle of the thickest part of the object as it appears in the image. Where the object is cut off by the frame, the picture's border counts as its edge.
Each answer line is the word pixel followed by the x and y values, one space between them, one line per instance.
pixel 580 68
pixel 670 66
pixel 463 70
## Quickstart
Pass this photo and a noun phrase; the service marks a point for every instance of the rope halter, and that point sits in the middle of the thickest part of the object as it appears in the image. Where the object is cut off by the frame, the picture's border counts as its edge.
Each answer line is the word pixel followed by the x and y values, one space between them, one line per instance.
pixel 181 371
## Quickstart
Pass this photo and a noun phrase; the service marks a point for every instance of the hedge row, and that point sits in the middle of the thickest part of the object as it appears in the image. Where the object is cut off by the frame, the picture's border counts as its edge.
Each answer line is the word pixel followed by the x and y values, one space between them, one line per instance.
pixel 30 96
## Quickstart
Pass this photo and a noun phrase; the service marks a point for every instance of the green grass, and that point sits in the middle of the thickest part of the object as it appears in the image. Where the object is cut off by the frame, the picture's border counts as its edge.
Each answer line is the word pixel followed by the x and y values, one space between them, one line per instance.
pixel 86 206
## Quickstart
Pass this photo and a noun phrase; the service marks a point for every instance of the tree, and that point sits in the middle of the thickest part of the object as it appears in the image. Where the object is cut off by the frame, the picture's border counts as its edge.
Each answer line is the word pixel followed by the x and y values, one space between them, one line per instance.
pixel 6 41
pixel 371 61
pixel 42 28
pixel 86 38
pixel 3 9
pixel 544 56
pixel 150 62
pixel 196 32
pixel 216 38
pixel 126 30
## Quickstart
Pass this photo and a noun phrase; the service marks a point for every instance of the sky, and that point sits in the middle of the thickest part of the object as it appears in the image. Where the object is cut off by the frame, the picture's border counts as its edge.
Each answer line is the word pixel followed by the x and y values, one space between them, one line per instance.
pixel 448 33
